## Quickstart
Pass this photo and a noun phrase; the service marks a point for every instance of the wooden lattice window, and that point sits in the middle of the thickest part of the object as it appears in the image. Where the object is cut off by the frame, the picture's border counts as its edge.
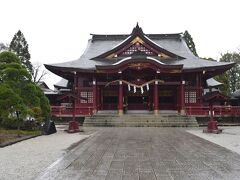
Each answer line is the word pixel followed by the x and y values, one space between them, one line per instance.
pixel 137 47
pixel 186 97
pixel 191 97
pixel 88 96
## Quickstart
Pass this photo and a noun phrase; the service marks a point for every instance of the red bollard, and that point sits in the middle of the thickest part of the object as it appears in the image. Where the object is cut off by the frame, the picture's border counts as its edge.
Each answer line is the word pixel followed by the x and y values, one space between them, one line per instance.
pixel 212 124
pixel 73 127
pixel 212 127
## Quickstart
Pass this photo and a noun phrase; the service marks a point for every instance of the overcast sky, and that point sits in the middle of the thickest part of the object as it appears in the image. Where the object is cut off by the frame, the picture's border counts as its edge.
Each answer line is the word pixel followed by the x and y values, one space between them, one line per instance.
pixel 58 30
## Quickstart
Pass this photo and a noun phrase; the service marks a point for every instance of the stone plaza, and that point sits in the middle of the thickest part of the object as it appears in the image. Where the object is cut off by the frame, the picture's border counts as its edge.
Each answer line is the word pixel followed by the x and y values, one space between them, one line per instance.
pixel 145 153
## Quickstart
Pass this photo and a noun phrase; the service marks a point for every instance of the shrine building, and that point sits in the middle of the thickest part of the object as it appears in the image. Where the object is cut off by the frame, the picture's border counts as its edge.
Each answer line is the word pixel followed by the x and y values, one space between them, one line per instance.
pixel 134 72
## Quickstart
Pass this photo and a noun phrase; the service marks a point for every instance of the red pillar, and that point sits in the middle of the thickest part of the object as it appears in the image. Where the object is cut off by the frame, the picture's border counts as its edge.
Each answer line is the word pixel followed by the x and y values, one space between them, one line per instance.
pixel 120 98
pixel 178 99
pixel 101 97
pixel 200 94
pixel 75 86
pixel 182 97
pixel 98 97
pixel 74 110
pixel 155 96
pixel 94 96
pixel 199 89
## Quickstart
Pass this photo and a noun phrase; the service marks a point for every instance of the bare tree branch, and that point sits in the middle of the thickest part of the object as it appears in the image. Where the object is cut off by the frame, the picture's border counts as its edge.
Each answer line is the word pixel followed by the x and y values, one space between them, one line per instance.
pixel 38 73
pixel 4 47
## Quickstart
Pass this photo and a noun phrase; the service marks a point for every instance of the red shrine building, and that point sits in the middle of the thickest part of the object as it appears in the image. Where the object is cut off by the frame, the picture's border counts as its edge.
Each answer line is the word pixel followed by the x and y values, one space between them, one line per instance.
pixel 134 72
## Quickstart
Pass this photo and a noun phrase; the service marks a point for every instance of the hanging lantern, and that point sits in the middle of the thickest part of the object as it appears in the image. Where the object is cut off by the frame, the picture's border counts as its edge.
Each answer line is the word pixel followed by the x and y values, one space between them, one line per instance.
pixel 142 90
pixel 134 89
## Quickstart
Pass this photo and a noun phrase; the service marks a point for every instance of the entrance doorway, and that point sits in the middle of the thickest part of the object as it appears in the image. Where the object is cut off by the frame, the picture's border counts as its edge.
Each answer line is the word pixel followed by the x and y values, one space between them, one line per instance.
pixel 137 101
pixel 167 98
pixel 109 98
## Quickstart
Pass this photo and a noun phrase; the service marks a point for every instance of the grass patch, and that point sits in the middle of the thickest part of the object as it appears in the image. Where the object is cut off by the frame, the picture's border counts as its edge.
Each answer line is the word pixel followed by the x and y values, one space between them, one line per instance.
pixel 12 135
pixel 21 132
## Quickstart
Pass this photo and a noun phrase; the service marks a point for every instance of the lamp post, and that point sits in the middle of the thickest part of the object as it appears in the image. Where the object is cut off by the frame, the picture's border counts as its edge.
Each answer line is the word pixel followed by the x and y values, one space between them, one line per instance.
pixel 212 123
pixel 73 125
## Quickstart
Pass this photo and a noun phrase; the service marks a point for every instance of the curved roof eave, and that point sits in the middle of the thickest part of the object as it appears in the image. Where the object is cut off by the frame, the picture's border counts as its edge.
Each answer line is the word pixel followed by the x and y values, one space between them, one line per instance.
pixel 211 82
pixel 132 60
pixel 224 66
pixel 62 83
pixel 58 69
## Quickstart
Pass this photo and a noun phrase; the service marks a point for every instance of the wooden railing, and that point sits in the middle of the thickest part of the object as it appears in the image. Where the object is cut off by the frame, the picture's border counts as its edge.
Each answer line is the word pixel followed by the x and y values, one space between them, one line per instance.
pixel 218 110
pixel 190 110
pixel 64 111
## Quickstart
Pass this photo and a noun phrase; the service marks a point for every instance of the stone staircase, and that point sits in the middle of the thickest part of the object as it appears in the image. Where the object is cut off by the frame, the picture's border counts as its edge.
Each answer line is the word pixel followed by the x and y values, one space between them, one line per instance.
pixel 140 120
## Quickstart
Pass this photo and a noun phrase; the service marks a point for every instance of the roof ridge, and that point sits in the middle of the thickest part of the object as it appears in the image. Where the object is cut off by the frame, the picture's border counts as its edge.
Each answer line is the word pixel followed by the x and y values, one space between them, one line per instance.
pixel 122 36
pixel 130 34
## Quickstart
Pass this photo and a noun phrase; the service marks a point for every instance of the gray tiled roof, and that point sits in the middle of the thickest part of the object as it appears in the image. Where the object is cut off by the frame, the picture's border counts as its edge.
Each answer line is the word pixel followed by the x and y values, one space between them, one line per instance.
pixel 62 83
pixel 175 45
pixel 213 83
pixel 236 94
pixel 49 91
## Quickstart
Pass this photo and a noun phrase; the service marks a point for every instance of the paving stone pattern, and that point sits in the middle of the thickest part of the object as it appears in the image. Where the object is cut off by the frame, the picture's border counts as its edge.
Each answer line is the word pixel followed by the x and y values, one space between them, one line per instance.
pixel 130 153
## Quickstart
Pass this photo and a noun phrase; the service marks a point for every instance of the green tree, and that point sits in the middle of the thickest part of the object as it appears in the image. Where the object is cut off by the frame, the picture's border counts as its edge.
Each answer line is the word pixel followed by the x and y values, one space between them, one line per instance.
pixel 6 57
pixel 224 88
pixel 19 45
pixel 19 96
pixel 189 40
pixel 230 78
pixel 9 101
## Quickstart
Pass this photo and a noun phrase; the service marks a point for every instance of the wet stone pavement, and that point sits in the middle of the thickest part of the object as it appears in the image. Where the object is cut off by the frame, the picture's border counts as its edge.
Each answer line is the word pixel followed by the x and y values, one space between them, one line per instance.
pixel 145 154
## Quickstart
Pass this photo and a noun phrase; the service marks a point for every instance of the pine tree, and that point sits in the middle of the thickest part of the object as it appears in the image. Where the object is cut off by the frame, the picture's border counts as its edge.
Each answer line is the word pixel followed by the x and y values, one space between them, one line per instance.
pixel 18 94
pixel 20 47
pixel 190 43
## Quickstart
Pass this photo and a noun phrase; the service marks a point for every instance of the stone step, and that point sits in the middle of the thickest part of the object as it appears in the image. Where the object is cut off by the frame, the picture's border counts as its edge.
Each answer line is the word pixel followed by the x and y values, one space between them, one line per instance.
pixel 141 120
pixel 111 121
pixel 137 120
pixel 143 124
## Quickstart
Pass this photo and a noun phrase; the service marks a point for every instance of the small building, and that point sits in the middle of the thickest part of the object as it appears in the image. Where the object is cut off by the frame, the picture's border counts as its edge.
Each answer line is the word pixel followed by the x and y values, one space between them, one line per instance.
pixel 136 72
pixel 51 94
pixel 235 98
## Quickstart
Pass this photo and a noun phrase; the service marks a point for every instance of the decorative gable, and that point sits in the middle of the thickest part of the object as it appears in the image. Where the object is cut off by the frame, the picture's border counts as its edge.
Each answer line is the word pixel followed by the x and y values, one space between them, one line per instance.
pixel 137 47
pixel 137 44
